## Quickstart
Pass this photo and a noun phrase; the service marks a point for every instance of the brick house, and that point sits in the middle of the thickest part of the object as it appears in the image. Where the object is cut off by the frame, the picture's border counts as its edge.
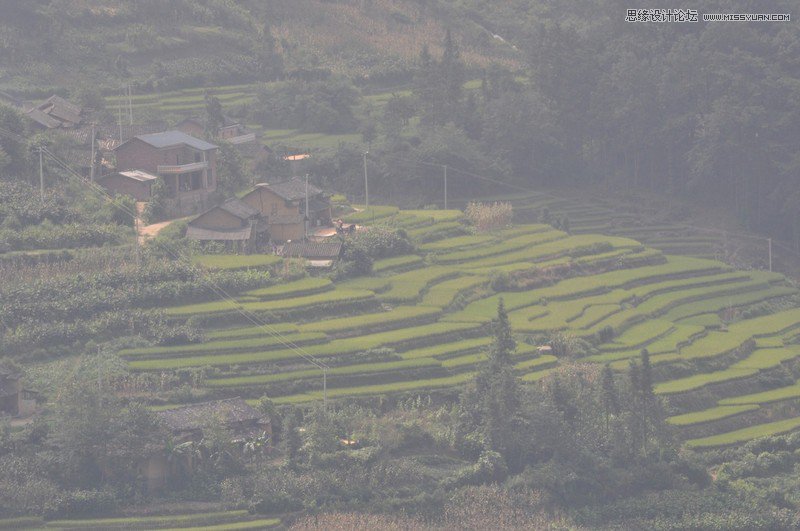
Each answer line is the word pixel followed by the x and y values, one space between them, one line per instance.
pixel 234 223
pixel 283 206
pixel 135 183
pixel 186 425
pixel 187 164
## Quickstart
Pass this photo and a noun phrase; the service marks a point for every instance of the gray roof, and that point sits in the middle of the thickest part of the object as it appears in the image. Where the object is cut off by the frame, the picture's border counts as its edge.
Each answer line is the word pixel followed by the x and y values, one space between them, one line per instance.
pixel 239 208
pixel 112 131
pixel 323 250
pixel 42 118
pixel 292 190
pixel 175 138
pixel 138 175
pixel 197 416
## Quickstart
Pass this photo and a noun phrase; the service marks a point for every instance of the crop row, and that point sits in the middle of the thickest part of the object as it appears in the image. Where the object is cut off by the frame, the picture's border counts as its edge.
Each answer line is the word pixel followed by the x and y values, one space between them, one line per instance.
pixel 269 340
pixel 336 347
pixel 305 286
pixel 227 306
pixel 234 261
pixel 408 287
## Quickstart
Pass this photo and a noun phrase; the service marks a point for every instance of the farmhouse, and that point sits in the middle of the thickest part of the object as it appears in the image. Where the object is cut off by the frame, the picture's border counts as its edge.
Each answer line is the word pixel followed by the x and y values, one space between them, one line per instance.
pixel 234 222
pixel 55 112
pixel 186 426
pixel 135 183
pixel 283 205
pixel 187 165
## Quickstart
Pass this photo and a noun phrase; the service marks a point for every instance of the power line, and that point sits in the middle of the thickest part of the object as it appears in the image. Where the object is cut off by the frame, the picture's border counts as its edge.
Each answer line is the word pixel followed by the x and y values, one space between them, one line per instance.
pixel 177 255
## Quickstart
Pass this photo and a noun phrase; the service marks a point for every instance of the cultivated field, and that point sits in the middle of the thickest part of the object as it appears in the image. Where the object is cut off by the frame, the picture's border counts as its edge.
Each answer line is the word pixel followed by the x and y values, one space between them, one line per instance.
pixel 722 341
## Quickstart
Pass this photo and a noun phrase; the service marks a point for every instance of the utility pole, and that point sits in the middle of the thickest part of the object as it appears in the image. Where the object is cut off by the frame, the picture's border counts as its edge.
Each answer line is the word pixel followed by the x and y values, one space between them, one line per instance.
pixel 119 108
pixel 325 388
pixel 769 240
pixel 306 217
pixel 366 181
pixel 91 174
pixel 41 174
pixel 445 186
pixel 130 104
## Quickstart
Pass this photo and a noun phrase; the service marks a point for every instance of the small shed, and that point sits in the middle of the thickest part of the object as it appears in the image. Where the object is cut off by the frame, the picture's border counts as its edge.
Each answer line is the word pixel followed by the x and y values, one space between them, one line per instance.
pixel 186 425
pixel 316 254
pixel 135 183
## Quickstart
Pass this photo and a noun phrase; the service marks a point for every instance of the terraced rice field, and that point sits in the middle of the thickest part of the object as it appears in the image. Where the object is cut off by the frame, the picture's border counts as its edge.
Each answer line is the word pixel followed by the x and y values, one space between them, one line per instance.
pixel 420 323
pixel 216 521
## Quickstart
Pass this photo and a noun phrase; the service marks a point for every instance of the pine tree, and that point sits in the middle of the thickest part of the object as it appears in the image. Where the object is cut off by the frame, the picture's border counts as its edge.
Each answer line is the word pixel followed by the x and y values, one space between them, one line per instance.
pixel 610 396
pixel 504 344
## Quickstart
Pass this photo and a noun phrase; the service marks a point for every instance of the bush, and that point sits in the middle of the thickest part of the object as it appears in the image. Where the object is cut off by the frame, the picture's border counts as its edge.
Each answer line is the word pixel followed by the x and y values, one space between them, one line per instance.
pixel 487 217
pixel 381 242
pixel 81 503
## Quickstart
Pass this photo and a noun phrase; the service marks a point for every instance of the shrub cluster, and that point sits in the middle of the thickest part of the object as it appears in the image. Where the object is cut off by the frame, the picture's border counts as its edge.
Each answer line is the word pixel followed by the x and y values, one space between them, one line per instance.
pixel 485 216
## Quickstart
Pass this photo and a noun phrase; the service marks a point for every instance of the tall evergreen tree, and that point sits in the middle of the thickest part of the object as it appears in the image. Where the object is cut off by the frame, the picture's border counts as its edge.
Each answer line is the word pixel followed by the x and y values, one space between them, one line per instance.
pixel 610 396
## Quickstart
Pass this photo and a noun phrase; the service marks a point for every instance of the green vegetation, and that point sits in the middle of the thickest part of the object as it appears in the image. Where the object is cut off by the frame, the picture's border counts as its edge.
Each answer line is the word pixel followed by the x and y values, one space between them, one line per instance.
pixel 708 415
pixel 387 264
pixel 745 434
pixel 234 262
pixel 297 288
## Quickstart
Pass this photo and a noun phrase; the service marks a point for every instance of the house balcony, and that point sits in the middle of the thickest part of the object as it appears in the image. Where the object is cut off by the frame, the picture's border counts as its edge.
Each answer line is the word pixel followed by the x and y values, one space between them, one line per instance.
pixel 173 169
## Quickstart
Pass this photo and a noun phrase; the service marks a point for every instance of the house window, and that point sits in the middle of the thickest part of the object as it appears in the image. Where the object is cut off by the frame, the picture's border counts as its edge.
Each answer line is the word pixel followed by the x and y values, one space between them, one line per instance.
pixel 274 209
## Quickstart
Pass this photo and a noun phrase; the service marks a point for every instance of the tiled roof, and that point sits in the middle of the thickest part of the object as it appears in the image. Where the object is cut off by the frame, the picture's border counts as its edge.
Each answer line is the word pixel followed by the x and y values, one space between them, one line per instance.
pixel 239 208
pixel 197 416
pixel 139 175
pixel 174 138
pixel 42 118
pixel 292 190
pixel 326 250
pixel 112 131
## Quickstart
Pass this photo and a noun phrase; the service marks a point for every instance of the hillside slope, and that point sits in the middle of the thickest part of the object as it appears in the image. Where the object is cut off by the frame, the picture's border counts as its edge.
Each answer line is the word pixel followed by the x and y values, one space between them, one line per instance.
pixel 72 43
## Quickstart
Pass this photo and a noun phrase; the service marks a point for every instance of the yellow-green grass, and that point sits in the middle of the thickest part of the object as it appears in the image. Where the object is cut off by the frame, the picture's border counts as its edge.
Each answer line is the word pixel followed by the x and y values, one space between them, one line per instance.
pixel 395 262
pixel 234 261
pixel 438 215
pixel 431 232
pixel 711 414
pixel 594 314
pixel 376 284
pixel 334 348
pixel 746 434
pixel 506 246
pixel 151 522
pixel 536 375
pixel 379 389
pixel 365 215
pixel 408 287
pixel 446 350
pixel 523 349
pixel 396 316
pixel 361 368
pixel 547 247
pixel 758 361
pixel 295 303
pixel 604 282
pixel 22 522
pixel 639 335
pixel 681 335
pixel 731 301
pixel 789 392
pixel 247 525
pixel 538 363
pixel 443 294
pixel 706 320
pixel 251 331
pixel 290 289
pixel 459 242
pixel 717 343
pixel 265 341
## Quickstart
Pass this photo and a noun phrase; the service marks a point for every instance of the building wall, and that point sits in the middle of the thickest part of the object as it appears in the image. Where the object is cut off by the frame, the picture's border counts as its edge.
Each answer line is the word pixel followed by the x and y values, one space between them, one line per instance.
pixel 294 231
pixel 119 184
pixel 270 204
pixel 192 128
pixel 137 155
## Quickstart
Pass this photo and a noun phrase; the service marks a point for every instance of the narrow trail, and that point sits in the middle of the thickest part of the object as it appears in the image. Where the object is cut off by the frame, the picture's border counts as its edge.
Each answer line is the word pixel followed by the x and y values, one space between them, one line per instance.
pixel 145 232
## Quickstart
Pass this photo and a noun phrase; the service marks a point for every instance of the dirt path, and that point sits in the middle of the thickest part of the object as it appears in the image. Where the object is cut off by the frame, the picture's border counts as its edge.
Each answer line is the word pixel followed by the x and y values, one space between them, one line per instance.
pixel 145 232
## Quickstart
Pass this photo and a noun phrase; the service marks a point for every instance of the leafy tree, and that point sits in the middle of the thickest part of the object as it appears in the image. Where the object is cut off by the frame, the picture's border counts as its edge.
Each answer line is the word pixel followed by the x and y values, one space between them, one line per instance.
pixel 214 117
pixel 610 395
pixel 230 170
